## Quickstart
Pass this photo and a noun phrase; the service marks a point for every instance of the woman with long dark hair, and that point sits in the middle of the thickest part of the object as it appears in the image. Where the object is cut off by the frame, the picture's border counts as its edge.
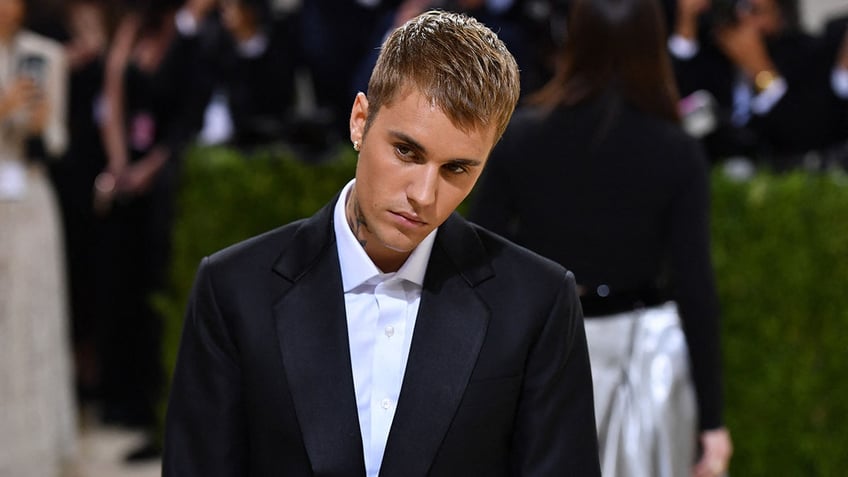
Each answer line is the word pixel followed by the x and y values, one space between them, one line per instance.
pixel 598 175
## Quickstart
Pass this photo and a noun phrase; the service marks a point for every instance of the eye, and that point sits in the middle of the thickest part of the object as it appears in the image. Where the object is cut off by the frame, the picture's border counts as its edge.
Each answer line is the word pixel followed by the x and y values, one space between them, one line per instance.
pixel 404 152
pixel 456 168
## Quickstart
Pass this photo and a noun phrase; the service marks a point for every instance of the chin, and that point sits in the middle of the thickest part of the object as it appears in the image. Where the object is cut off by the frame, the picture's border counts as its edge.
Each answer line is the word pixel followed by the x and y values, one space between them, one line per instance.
pixel 399 246
pixel 398 242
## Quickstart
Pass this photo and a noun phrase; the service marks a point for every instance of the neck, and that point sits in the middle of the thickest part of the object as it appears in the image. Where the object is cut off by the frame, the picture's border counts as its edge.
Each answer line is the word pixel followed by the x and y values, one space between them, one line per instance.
pixel 386 259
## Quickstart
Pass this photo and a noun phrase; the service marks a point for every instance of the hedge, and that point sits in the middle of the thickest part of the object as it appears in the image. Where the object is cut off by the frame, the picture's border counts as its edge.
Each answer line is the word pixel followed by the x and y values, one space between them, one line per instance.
pixel 780 249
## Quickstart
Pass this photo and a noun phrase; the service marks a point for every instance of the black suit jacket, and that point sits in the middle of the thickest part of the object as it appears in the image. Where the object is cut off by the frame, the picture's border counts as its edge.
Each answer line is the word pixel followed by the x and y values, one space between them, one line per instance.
pixel 497 381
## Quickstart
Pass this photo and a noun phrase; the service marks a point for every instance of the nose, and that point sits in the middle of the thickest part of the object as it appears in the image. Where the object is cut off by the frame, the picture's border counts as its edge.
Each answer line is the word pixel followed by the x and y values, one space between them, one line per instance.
pixel 423 188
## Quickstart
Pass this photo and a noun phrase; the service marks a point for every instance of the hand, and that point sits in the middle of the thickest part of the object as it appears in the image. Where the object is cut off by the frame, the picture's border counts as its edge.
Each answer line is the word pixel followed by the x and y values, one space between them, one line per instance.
pixel 691 9
pixel 688 12
pixel 200 8
pixel 842 58
pixel 717 449
pixel 39 113
pixel 743 44
pixel 137 177
pixel 18 97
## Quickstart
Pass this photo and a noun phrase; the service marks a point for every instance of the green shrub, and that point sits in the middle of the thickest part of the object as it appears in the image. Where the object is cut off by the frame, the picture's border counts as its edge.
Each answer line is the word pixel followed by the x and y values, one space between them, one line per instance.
pixel 227 196
pixel 780 247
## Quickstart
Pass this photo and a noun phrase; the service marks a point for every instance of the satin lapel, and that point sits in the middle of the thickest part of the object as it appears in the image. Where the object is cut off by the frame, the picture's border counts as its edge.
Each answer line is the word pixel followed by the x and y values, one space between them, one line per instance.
pixel 449 331
pixel 312 331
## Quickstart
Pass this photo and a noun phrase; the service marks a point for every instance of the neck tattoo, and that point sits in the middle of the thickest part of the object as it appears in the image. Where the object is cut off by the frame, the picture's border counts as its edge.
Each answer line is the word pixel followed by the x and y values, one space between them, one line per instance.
pixel 356 221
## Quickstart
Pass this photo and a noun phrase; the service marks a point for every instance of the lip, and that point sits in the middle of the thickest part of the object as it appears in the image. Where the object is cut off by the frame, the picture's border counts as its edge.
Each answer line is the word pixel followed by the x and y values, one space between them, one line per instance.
pixel 408 218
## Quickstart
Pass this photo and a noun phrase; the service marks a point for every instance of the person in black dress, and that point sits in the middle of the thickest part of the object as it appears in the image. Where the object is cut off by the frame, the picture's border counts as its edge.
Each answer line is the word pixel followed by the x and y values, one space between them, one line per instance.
pixel 597 175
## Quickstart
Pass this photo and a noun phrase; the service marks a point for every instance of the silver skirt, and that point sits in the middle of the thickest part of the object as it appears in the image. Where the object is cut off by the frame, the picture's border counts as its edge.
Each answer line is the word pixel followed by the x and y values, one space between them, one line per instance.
pixel 644 398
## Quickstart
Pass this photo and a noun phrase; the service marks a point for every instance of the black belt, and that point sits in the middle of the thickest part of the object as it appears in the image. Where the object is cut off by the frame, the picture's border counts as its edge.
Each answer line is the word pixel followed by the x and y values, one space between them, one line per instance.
pixel 603 301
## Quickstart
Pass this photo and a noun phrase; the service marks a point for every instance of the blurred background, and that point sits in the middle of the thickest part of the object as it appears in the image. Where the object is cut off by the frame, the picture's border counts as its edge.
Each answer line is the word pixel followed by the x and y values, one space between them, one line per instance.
pixel 138 136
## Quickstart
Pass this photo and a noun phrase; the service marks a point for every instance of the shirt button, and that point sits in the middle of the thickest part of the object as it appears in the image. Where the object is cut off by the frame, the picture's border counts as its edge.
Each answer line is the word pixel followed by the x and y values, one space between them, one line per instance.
pixel 386 403
pixel 390 331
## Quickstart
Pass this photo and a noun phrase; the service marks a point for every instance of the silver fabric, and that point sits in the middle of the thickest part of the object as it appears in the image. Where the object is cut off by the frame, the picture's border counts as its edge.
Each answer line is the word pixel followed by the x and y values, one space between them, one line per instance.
pixel 644 398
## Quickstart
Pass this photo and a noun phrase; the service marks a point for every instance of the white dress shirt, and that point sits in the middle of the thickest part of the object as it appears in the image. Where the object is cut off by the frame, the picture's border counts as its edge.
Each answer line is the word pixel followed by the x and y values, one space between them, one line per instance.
pixel 381 310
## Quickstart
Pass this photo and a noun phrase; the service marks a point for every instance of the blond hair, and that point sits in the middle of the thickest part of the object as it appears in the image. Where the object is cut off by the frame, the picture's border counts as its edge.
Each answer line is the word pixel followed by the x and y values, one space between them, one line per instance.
pixel 454 61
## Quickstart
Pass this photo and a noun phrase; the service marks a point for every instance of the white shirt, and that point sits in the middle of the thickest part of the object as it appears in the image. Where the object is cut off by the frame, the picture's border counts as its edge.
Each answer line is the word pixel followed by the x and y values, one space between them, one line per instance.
pixel 381 310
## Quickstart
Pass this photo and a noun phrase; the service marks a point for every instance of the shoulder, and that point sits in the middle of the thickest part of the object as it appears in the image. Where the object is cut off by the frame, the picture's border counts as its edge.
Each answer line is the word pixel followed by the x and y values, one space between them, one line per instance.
pixel 503 249
pixel 515 267
pixel 263 248
pixel 525 286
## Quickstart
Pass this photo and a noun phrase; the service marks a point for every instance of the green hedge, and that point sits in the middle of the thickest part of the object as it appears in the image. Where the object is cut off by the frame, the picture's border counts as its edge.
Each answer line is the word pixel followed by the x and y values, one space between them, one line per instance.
pixel 781 255
pixel 780 248
pixel 227 196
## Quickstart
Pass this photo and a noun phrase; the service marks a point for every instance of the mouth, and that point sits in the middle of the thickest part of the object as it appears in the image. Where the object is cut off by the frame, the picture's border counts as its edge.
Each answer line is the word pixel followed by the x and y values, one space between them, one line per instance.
pixel 409 218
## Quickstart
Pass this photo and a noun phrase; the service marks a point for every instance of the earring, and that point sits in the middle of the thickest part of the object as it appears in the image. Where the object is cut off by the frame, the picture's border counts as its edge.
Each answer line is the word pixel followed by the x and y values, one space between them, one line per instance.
pixel 356 146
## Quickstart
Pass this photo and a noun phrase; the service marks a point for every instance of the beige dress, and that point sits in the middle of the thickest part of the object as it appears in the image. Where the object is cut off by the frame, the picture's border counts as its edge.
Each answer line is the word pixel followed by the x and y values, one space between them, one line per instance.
pixel 37 412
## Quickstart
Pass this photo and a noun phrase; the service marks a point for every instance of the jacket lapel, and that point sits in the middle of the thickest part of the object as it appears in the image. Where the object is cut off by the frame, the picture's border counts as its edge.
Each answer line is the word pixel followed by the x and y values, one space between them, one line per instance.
pixel 450 329
pixel 312 331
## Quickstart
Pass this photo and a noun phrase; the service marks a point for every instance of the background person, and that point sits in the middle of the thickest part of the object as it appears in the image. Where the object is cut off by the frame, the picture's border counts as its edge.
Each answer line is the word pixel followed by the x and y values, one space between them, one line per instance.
pixel 37 412
pixel 598 175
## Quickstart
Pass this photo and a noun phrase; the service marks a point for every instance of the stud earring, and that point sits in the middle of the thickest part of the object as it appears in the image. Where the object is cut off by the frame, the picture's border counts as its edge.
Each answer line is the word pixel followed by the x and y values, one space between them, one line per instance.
pixel 356 146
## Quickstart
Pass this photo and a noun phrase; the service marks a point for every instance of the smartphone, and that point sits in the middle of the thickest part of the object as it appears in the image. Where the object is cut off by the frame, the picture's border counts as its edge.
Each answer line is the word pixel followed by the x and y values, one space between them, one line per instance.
pixel 33 67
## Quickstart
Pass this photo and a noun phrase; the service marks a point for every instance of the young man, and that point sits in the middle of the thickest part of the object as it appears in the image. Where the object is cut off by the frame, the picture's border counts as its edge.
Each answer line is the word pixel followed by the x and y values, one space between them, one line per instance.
pixel 385 334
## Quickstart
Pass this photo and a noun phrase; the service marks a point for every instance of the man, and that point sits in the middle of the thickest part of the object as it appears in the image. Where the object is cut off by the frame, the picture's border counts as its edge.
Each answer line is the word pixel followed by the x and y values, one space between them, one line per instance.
pixel 385 334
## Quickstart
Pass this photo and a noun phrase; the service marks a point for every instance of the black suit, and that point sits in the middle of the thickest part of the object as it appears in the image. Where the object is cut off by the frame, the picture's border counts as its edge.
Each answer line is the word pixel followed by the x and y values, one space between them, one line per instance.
pixel 497 381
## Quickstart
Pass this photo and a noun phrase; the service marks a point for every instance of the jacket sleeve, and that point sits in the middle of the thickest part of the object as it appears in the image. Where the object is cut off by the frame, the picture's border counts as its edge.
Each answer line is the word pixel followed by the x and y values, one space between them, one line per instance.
pixel 205 433
pixel 555 430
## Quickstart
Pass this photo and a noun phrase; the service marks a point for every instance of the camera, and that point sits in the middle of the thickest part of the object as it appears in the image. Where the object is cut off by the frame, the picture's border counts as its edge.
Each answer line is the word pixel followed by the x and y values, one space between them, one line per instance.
pixel 725 12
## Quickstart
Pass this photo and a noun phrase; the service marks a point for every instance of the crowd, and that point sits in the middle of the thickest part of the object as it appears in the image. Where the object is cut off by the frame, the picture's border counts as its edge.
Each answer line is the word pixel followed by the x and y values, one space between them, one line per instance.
pixel 99 100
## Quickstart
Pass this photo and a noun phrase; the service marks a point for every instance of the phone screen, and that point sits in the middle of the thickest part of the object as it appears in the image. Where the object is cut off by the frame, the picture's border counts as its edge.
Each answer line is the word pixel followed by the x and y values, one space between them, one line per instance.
pixel 32 67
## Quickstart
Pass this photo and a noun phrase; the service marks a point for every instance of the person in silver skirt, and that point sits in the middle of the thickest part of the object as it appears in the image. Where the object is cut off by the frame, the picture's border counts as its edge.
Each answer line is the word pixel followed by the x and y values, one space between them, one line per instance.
pixel 597 174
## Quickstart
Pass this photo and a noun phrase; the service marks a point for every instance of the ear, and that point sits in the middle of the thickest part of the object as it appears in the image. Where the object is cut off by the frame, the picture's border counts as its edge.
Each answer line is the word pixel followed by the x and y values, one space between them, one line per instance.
pixel 358 118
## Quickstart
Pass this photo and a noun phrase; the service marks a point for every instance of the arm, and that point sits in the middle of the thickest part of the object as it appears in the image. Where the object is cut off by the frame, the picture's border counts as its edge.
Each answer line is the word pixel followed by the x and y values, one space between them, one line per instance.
pixel 686 22
pixel 696 295
pixel 205 426
pixel 555 431
pixel 113 130
pixel 52 126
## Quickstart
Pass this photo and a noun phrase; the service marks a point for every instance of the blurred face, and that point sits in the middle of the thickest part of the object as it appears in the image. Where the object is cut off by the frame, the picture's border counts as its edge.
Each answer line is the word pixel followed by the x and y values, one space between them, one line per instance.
pixel 11 17
pixel 763 15
pixel 415 167
pixel 237 18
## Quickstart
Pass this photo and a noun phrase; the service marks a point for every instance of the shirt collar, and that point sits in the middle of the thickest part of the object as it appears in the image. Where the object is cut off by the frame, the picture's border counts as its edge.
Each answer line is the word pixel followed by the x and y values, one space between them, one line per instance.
pixel 357 268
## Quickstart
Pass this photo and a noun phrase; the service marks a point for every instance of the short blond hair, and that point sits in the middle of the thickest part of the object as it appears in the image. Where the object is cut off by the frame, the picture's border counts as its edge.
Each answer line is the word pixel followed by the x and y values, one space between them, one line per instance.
pixel 455 62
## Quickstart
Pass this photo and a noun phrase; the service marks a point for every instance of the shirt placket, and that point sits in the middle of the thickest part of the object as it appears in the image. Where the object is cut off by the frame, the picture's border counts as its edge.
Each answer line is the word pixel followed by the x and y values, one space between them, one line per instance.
pixel 387 362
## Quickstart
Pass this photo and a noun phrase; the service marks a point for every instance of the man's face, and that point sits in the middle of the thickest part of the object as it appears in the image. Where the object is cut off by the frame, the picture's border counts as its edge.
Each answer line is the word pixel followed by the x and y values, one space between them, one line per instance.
pixel 415 167
pixel 764 16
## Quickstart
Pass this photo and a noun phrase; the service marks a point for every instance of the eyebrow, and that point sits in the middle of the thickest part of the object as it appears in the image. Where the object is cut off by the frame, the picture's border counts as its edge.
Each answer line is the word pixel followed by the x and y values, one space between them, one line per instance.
pixel 422 150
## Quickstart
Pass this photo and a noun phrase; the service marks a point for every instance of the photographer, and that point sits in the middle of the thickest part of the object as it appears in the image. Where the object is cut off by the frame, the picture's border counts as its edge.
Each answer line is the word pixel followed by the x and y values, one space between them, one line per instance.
pixel 770 80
